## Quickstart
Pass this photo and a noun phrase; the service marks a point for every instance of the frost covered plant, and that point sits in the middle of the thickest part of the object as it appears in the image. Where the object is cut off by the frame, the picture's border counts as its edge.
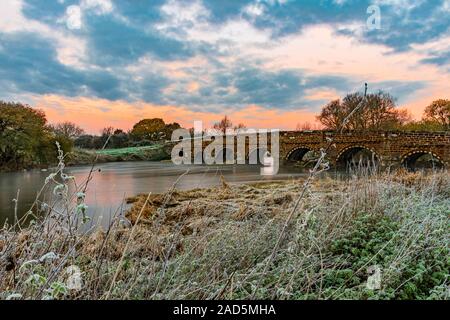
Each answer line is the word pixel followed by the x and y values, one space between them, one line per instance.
pixel 14 296
pixel 60 190
pixel 57 290
pixel 63 207
pixel 33 257
pixel 82 207
pixel 35 280
pixel 48 257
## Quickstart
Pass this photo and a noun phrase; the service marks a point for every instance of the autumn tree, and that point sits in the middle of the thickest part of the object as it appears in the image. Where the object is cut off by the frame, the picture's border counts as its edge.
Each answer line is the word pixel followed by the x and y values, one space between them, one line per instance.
pixel 169 129
pixel 148 129
pixel 25 138
pixel 439 112
pixel 153 129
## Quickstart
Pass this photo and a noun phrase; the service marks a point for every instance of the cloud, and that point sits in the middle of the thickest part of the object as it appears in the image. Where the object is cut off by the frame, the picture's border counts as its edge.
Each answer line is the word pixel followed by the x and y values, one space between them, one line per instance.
pixel 69 12
pixel 407 22
pixel 436 52
pixel 211 56
pixel 403 91
pixel 98 6
pixel 439 58
pixel 45 11
pixel 236 84
pixel 70 48
pixel 404 22
pixel 254 9
pixel 34 68
pixel 113 42
pixel 140 12
pixel 191 21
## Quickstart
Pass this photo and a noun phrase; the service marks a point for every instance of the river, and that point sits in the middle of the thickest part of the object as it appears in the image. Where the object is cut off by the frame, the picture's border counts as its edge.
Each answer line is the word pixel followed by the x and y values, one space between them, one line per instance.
pixel 114 182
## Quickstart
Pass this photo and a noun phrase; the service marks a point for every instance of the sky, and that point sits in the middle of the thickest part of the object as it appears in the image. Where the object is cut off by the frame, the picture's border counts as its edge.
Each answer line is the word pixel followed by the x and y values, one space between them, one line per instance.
pixel 264 63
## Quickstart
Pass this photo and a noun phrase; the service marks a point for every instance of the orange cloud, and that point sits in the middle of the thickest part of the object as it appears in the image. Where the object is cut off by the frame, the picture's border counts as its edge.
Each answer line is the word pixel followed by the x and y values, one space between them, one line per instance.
pixel 95 114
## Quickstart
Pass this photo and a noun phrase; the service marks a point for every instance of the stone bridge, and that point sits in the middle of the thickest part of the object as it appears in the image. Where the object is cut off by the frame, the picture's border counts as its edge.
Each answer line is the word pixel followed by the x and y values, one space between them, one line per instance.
pixel 386 148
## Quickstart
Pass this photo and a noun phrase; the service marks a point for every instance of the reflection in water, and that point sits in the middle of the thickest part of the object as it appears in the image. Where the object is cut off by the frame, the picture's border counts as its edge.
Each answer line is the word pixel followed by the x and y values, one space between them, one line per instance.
pixel 114 182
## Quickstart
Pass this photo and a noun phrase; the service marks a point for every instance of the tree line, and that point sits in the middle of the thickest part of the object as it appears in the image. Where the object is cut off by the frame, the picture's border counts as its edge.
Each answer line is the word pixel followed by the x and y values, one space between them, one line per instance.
pixel 143 133
pixel 27 140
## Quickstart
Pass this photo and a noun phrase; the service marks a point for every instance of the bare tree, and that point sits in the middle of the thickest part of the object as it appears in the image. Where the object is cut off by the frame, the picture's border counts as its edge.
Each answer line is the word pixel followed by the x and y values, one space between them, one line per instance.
pixel 67 129
pixel 304 126
pixel 379 113
pixel 107 131
pixel 239 127
pixel 332 115
pixel 223 125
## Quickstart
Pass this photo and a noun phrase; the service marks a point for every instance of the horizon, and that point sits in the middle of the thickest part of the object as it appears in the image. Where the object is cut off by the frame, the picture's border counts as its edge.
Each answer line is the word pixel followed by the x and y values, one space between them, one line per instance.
pixel 263 63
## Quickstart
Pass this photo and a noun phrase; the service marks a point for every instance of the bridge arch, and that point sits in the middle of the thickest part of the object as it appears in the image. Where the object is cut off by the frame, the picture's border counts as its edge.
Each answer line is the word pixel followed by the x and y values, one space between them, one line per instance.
pixel 428 158
pixel 356 154
pixel 298 153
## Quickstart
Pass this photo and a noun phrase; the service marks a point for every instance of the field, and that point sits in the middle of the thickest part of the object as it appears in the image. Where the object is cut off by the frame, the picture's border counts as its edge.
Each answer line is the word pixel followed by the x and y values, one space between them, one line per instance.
pixel 128 151
pixel 371 236
pixel 146 153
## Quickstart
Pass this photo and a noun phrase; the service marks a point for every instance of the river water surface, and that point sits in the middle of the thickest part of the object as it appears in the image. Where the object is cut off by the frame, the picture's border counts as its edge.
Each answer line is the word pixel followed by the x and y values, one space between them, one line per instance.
pixel 114 182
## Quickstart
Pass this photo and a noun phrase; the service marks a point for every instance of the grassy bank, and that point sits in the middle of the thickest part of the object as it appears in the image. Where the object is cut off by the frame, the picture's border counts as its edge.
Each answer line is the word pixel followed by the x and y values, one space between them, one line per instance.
pixel 86 157
pixel 370 237
pixel 147 153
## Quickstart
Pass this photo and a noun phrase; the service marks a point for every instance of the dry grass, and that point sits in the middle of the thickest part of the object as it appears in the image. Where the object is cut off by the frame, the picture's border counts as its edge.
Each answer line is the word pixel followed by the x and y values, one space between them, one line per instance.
pixel 215 244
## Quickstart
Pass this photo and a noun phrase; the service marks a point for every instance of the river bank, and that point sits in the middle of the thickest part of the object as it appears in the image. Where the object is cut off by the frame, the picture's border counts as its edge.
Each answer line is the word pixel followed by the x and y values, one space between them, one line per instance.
pixel 79 157
pixel 369 237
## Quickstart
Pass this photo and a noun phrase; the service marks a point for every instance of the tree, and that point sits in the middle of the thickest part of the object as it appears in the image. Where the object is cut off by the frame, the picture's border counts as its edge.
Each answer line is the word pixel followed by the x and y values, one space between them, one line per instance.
pixel 149 129
pixel 67 129
pixel 25 138
pixel 226 123
pixel 332 115
pixel 119 139
pixel 403 117
pixel 223 125
pixel 107 131
pixel 105 136
pixel 304 126
pixel 423 125
pixel 169 129
pixel 438 111
pixel 240 127
pixel 85 141
pixel 377 113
